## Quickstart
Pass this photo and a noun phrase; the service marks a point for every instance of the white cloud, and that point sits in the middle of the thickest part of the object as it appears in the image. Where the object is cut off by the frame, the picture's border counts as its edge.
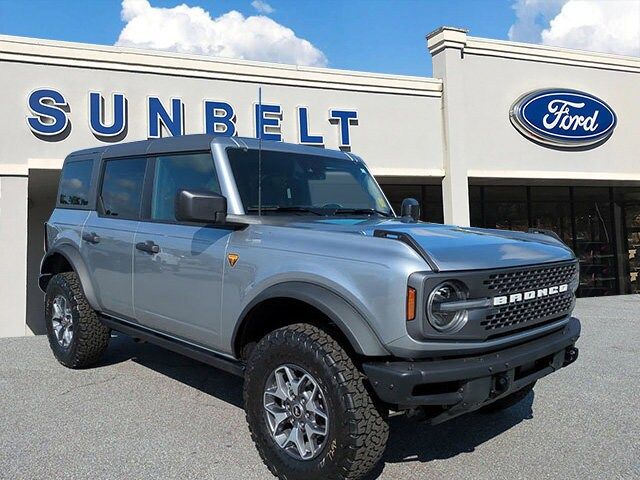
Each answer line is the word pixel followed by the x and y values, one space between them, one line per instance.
pixel 186 29
pixel 611 26
pixel 532 16
pixel 262 6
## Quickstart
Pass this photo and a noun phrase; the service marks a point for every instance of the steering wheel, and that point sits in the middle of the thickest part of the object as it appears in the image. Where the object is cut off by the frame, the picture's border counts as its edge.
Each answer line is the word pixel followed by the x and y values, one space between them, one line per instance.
pixel 334 206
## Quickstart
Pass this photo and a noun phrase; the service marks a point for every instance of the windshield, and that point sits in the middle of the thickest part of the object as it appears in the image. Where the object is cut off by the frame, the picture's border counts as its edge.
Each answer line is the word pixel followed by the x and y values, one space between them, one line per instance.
pixel 306 184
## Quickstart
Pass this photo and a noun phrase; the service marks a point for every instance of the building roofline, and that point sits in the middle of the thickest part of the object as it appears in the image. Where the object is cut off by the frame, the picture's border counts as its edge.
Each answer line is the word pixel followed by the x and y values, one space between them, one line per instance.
pixel 449 37
pixel 80 55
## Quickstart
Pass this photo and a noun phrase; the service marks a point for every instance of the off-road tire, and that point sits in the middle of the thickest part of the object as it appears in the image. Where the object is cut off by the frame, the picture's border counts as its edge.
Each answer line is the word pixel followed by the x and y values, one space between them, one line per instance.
pixel 509 400
pixel 358 428
pixel 90 335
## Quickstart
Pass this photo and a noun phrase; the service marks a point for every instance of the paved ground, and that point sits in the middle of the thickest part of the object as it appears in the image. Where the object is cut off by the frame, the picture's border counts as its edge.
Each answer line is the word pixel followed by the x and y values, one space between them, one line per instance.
pixel 145 413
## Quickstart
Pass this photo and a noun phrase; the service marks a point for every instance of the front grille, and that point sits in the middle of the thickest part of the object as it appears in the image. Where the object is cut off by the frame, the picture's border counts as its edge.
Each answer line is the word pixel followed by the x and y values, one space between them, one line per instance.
pixel 523 280
pixel 541 309
pixel 531 312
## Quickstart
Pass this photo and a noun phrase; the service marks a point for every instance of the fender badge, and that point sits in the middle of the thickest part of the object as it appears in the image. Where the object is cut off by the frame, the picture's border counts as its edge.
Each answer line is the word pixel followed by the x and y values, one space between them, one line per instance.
pixel 233 258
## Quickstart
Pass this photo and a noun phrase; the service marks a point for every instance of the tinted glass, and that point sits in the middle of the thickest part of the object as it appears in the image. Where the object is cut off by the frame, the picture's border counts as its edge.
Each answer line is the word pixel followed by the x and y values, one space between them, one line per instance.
pixel 432 209
pixel 475 206
pixel 594 241
pixel 122 187
pixel 429 196
pixel 75 183
pixel 506 208
pixel 397 193
pixel 585 219
pixel 316 182
pixel 551 210
pixel 180 172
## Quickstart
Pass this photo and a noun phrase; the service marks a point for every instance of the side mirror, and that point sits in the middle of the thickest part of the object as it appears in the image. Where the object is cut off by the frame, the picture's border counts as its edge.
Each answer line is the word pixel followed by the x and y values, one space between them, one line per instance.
pixel 410 210
pixel 200 206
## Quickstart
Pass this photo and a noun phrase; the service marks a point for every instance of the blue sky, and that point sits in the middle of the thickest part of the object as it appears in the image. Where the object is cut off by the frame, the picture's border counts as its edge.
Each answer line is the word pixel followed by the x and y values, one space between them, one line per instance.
pixel 371 35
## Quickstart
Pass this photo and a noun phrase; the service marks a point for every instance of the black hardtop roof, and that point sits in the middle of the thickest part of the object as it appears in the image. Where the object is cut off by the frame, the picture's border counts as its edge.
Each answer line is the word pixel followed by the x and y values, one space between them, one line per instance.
pixel 198 142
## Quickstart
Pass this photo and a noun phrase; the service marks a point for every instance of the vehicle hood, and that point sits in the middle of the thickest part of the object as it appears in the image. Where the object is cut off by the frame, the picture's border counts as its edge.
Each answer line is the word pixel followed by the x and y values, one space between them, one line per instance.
pixel 451 248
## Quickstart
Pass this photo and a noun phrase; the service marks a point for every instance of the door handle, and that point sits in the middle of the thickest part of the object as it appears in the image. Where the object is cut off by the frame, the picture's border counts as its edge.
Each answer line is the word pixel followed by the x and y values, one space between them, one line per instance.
pixel 92 237
pixel 149 246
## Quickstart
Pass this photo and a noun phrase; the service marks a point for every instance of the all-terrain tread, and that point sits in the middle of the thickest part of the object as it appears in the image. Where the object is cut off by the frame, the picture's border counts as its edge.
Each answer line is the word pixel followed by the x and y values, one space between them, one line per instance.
pixel 91 336
pixel 368 426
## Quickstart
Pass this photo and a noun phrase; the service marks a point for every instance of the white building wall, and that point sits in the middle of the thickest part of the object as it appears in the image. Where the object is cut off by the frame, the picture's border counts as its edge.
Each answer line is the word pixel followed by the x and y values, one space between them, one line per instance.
pixel 13 255
pixel 483 78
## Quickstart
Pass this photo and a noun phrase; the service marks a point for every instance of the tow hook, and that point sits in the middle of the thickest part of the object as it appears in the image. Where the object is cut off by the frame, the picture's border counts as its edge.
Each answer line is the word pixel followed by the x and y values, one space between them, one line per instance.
pixel 500 385
pixel 570 356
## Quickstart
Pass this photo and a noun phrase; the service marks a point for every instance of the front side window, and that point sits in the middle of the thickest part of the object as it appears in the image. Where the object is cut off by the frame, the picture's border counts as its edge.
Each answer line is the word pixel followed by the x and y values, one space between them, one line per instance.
pixel 122 185
pixel 194 171
pixel 75 183
pixel 313 184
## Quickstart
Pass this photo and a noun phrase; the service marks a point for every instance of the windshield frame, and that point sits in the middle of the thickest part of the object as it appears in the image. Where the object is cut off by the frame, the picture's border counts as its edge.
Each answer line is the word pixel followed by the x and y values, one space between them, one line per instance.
pixel 348 157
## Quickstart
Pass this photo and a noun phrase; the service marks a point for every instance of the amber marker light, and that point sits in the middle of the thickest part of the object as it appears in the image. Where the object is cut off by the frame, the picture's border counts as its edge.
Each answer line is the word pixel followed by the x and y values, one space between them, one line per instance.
pixel 411 303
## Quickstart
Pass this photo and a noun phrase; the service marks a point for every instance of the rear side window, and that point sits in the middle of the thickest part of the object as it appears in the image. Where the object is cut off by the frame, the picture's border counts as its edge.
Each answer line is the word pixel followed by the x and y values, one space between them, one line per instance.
pixel 194 171
pixel 75 183
pixel 122 185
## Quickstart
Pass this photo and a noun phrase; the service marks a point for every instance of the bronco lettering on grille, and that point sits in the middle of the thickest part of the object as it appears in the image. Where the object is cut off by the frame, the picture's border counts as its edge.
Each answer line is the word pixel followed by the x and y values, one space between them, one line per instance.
pixel 530 295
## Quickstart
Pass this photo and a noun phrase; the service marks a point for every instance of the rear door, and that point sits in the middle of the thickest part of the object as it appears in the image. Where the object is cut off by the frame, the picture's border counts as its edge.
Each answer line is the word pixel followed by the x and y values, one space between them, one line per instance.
pixel 178 267
pixel 107 236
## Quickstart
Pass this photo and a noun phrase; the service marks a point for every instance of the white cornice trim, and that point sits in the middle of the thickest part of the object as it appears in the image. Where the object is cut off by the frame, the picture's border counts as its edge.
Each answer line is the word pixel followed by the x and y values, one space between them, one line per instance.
pixel 406 172
pixel 45 163
pixel 550 175
pixel 49 52
pixel 547 54
pixel 14 169
pixel 448 37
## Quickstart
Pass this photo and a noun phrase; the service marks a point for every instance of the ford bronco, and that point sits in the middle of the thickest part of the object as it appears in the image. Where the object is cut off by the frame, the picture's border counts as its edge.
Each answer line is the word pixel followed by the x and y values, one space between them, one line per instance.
pixel 286 264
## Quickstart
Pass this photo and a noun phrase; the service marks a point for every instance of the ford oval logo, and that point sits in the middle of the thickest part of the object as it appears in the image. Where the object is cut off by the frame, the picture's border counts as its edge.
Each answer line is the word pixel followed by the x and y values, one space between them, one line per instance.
pixel 563 118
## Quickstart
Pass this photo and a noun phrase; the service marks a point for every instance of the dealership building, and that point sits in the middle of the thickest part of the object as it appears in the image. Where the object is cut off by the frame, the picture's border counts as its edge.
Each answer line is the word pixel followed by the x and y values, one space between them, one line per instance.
pixel 506 135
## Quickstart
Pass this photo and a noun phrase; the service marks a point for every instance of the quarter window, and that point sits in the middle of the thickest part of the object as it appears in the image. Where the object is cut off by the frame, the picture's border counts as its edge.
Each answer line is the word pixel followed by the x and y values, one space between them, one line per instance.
pixel 75 183
pixel 122 185
pixel 194 171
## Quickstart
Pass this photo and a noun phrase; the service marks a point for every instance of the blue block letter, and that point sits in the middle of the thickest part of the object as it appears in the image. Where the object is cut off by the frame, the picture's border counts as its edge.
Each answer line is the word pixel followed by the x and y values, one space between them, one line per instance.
pixel 268 122
pixel 303 128
pixel 49 115
pixel 344 118
pixel 159 118
pixel 97 115
pixel 219 118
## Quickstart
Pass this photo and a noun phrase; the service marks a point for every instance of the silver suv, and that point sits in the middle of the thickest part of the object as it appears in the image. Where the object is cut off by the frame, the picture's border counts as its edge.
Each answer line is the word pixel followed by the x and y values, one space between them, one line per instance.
pixel 286 264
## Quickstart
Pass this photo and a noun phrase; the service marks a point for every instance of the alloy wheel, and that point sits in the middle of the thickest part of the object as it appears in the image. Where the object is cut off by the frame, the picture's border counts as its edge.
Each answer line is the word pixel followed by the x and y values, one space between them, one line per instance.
pixel 296 412
pixel 62 321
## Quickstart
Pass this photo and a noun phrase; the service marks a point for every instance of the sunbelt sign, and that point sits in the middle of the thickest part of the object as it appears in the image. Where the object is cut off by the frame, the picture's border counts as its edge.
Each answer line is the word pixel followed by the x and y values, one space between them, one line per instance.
pixel 49 118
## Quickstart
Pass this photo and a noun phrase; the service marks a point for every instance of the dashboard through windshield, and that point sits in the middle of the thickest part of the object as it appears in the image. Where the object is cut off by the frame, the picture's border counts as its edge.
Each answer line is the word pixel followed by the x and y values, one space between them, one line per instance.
pixel 306 184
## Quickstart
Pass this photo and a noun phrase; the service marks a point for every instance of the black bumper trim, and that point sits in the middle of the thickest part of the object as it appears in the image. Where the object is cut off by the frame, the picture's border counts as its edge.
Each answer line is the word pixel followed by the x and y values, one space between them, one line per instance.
pixel 396 383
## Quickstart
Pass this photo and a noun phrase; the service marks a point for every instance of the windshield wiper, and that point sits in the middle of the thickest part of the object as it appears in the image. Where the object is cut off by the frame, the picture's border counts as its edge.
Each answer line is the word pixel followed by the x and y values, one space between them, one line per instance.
pixel 357 211
pixel 286 209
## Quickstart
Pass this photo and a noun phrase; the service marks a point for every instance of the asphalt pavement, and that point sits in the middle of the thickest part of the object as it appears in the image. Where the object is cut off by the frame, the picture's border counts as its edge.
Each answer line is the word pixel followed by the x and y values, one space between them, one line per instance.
pixel 146 413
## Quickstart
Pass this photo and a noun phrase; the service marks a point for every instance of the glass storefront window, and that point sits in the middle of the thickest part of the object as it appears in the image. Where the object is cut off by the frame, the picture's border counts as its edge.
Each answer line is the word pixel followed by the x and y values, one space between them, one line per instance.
pixel 429 196
pixel 594 241
pixel 628 201
pixel 551 210
pixel 506 208
pixel 601 224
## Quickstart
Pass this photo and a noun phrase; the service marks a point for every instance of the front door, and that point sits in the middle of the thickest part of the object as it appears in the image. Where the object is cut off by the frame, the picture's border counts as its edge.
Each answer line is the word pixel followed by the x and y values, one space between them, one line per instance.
pixel 107 236
pixel 178 267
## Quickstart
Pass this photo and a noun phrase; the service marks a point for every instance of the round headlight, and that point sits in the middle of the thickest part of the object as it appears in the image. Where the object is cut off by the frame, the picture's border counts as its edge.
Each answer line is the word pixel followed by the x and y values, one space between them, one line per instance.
pixel 442 317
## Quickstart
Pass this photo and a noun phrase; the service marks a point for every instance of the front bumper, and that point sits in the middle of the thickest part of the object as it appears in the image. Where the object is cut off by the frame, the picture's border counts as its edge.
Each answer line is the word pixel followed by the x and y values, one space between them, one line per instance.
pixel 460 385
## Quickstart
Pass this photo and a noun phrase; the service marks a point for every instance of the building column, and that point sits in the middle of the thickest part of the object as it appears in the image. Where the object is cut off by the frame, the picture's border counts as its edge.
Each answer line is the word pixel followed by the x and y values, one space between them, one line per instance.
pixel 13 254
pixel 446 46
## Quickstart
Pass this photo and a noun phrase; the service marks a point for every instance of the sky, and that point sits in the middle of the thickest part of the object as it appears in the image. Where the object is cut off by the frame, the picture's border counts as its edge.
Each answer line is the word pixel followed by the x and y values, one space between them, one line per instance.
pixel 386 36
